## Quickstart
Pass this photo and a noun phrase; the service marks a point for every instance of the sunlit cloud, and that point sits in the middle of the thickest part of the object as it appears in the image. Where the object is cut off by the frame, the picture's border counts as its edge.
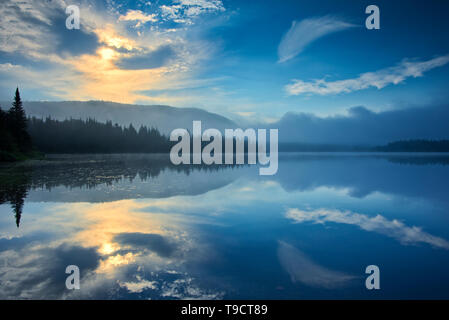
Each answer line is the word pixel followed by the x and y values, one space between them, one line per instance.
pixel 139 286
pixel 378 79
pixel 114 70
pixel 110 37
pixel 138 16
pixel 379 224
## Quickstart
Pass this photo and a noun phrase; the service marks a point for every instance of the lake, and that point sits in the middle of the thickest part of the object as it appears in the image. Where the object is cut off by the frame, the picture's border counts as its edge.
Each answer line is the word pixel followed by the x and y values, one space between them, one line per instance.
pixel 140 228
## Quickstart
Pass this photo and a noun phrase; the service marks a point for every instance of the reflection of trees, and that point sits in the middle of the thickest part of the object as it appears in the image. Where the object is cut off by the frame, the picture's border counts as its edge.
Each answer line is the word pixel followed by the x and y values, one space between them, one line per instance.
pixel 17 203
pixel 423 160
pixel 87 171
pixel 93 170
pixel 14 186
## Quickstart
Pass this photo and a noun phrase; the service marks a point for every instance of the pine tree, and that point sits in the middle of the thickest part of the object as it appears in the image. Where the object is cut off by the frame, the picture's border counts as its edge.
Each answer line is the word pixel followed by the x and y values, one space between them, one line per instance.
pixel 18 122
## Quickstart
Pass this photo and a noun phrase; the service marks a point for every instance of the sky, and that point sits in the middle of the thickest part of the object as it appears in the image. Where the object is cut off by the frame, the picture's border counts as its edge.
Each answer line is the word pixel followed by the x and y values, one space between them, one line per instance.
pixel 252 61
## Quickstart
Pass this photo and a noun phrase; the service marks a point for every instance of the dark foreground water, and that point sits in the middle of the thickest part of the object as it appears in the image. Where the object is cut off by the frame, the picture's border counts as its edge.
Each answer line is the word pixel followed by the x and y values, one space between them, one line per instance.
pixel 139 228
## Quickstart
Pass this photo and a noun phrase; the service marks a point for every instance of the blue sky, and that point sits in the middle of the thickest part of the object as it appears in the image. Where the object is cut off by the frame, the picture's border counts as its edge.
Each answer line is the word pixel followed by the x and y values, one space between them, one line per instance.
pixel 249 60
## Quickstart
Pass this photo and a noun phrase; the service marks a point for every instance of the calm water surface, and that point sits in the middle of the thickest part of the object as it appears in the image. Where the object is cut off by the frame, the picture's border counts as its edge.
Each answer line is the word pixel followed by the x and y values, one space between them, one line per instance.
pixel 139 228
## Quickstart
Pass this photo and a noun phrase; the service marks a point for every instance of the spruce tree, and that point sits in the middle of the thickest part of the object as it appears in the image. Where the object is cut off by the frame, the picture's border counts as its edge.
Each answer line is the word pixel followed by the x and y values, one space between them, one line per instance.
pixel 18 123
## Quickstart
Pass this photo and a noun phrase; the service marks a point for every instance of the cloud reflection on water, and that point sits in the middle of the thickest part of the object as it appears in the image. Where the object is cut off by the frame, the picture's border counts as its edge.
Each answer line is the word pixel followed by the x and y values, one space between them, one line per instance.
pixel 391 228
pixel 303 269
pixel 120 250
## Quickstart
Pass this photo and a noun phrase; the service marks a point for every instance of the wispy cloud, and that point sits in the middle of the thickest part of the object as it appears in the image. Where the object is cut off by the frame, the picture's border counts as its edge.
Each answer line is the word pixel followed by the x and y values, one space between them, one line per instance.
pixel 25 26
pixel 392 228
pixel 378 79
pixel 304 32
pixel 303 269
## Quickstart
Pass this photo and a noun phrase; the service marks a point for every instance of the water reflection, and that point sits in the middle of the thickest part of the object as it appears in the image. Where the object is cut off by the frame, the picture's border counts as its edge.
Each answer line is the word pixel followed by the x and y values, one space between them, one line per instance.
pixel 411 175
pixel 391 228
pixel 101 173
pixel 99 178
pixel 302 269
pixel 122 252
pixel 140 228
pixel 13 190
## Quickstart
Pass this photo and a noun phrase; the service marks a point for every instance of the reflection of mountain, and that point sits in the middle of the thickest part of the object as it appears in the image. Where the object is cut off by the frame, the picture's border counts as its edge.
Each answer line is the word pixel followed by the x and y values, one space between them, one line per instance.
pixel 420 176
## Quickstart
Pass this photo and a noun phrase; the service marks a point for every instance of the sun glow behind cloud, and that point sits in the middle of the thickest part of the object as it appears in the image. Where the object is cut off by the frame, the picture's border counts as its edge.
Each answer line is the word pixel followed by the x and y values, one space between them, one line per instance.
pixel 99 75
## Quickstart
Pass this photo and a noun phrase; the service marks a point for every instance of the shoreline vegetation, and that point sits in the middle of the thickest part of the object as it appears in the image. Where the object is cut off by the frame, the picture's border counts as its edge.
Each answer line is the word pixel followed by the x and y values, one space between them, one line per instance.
pixel 23 138
pixel 90 136
pixel 411 145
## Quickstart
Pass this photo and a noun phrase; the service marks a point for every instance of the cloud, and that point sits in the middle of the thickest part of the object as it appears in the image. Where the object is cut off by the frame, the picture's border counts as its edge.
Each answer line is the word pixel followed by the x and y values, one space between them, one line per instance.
pixel 37 272
pixel 196 7
pixel 55 83
pixel 184 11
pixel 147 241
pixel 139 16
pixel 184 289
pixel 302 33
pixel 139 286
pixel 153 59
pixel 378 79
pixel 24 26
pixel 303 269
pixel 379 224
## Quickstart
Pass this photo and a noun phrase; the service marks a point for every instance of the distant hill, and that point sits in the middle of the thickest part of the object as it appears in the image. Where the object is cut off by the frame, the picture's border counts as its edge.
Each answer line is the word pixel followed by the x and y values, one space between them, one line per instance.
pixel 164 118
pixel 416 146
pixel 364 127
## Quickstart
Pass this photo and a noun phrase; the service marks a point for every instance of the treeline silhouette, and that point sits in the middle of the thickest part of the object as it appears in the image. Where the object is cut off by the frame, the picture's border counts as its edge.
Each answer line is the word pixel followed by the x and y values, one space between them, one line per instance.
pixel 311 147
pixel 21 137
pixel 15 142
pixel 418 145
pixel 91 136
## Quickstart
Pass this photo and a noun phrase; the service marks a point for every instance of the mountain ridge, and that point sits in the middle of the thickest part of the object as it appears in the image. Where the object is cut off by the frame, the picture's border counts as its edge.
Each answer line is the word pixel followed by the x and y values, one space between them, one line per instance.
pixel 164 118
